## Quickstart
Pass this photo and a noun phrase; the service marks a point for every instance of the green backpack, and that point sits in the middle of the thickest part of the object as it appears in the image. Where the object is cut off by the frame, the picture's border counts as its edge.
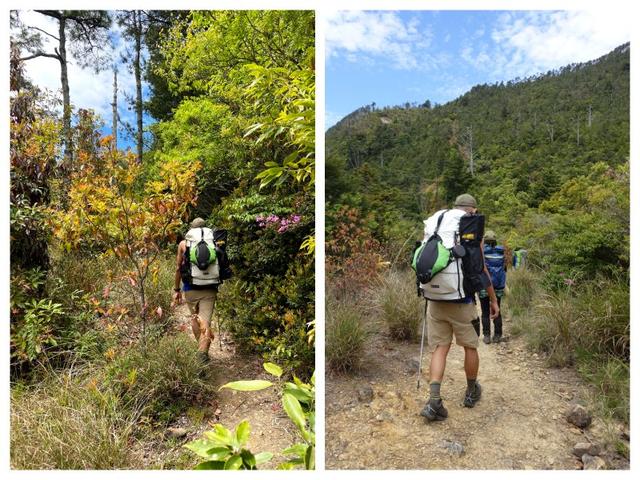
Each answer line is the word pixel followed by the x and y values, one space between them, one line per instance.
pixel 431 256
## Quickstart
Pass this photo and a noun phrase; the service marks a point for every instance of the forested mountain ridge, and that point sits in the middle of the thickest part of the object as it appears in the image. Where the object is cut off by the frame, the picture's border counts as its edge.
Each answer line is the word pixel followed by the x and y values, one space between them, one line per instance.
pixel 523 139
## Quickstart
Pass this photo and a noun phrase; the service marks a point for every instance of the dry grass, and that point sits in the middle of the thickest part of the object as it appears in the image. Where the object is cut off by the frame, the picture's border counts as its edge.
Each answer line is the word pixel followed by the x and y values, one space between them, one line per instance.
pixel 395 301
pixel 69 422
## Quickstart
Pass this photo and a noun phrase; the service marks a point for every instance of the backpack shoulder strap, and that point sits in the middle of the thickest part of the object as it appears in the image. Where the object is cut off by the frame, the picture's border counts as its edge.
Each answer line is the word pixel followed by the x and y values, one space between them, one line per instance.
pixel 439 222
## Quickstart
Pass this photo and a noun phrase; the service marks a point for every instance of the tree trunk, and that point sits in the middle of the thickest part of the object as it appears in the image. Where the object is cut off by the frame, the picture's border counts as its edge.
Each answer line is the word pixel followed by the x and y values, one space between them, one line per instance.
pixel 66 100
pixel 114 105
pixel 137 19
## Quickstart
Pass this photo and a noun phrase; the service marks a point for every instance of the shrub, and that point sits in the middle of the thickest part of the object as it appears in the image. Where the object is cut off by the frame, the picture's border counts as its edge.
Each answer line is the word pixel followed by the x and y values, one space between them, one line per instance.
pixel 69 422
pixel 152 380
pixel 271 317
pixel 396 301
pixel 345 336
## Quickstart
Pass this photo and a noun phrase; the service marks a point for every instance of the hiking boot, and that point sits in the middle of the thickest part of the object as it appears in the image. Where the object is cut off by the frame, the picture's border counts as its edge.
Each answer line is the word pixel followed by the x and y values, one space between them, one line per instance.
pixel 487 338
pixel 497 338
pixel 472 396
pixel 434 410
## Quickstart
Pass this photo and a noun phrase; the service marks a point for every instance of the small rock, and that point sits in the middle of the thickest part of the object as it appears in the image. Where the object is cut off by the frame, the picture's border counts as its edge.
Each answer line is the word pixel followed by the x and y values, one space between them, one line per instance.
pixel 579 416
pixel 591 462
pixel 581 448
pixel 412 365
pixel 365 394
pixel 454 448
pixel 516 368
pixel 384 417
pixel 177 432
pixel 555 416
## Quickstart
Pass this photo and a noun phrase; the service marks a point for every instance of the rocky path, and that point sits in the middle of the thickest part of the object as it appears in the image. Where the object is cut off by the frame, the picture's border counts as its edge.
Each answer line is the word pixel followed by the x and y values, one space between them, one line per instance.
pixel 271 429
pixel 372 419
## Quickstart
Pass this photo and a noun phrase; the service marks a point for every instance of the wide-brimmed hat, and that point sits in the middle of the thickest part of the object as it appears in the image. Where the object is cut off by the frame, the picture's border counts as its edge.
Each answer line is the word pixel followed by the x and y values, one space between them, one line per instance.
pixel 490 236
pixel 465 200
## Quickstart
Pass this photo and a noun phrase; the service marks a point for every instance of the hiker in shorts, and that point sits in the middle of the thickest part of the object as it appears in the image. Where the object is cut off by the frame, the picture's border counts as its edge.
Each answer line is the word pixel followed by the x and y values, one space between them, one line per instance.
pixel 199 294
pixel 451 309
pixel 496 263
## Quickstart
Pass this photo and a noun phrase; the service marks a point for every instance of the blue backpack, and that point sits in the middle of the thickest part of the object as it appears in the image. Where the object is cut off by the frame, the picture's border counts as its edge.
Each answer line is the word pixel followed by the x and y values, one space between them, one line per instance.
pixel 494 259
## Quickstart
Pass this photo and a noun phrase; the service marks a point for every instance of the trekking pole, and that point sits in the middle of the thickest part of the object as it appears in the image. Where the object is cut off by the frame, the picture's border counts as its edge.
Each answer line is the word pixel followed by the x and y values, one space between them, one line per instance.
pixel 424 325
pixel 219 332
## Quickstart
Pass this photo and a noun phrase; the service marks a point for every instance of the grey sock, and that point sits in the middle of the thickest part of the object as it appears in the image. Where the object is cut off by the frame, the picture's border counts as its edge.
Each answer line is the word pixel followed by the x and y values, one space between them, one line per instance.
pixel 434 390
pixel 471 384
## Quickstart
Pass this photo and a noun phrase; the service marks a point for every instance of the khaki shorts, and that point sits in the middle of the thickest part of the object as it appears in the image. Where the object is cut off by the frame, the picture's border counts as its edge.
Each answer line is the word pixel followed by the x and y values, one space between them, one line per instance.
pixel 445 319
pixel 201 302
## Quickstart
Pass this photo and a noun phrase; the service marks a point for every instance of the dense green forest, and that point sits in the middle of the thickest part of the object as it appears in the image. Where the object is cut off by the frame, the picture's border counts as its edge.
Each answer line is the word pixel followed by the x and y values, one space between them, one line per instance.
pixel 97 356
pixel 547 158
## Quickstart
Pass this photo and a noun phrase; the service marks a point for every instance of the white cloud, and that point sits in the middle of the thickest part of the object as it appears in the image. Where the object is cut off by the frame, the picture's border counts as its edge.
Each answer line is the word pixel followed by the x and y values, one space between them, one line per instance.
pixel 87 88
pixel 534 42
pixel 364 36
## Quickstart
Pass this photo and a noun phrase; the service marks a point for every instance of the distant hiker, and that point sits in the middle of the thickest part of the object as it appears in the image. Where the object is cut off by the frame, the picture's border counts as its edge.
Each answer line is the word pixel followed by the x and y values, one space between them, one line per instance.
pixel 201 266
pixel 450 284
pixel 494 258
pixel 519 258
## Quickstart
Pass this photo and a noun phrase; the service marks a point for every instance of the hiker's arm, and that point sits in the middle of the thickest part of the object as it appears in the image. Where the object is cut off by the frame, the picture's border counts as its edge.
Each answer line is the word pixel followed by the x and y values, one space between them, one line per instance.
pixel 177 296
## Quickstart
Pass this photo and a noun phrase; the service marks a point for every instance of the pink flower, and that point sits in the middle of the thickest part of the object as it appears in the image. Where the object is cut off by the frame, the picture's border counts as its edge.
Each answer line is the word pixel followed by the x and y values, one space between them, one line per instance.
pixel 568 281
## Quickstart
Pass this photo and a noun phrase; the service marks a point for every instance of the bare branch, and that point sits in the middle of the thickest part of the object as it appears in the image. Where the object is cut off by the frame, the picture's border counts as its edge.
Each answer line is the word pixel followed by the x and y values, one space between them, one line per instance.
pixel 40 54
pixel 43 31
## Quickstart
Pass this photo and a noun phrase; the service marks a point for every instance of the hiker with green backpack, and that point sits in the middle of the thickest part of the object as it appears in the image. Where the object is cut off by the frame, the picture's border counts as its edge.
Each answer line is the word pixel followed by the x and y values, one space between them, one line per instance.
pixel 450 270
pixel 201 266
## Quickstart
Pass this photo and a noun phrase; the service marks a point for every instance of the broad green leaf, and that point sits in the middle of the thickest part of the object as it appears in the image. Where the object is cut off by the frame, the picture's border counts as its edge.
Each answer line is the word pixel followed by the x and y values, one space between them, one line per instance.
pixel 201 447
pixel 299 393
pixel 248 458
pixel 273 369
pixel 309 458
pixel 220 435
pixel 242 432
pixel 299 449
pixel 263 457
pixel 218 453
pixel 234 463
pixel 294 410
pixel 211 465
pixel 286 466
pixel 247 385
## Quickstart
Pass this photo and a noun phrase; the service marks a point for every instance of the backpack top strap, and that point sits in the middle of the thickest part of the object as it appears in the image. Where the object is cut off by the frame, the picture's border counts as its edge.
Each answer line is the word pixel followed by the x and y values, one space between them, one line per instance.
pixel 439 221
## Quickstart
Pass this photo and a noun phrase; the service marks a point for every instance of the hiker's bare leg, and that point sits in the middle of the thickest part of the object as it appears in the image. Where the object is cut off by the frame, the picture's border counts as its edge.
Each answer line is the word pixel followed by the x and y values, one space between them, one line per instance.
pixel 205 312
pixel 206 336
pixel 438 363
pixel 195 326
pixel 471 362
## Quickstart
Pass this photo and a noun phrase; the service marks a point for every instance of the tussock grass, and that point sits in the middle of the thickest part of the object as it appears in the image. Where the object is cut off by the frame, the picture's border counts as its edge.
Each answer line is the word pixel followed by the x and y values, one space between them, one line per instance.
pixel 396 302
pixel 68 421
pixel 346 334
pixel 151 380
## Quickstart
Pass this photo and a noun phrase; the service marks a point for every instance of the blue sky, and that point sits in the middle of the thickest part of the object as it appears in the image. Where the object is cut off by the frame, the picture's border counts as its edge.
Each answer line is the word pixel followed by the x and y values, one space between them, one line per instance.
pixel 391 57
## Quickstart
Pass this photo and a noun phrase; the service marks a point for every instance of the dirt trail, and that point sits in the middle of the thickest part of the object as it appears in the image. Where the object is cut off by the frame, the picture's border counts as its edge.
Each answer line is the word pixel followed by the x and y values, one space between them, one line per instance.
pixel 271 430
pixel 518 424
